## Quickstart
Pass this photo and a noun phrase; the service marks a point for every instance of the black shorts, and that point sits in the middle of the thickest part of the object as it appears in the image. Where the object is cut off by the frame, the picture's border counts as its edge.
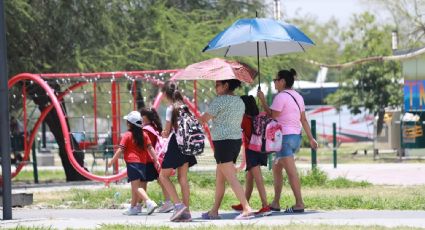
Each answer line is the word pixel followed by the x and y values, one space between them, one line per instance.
pixel 227 150
pixel 136 171
pixel 255 158
pixel 151 173
pixel 174 158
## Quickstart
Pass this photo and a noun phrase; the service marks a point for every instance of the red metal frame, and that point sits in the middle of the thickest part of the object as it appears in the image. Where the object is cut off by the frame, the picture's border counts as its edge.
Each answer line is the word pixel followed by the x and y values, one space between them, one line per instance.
pixel 39 79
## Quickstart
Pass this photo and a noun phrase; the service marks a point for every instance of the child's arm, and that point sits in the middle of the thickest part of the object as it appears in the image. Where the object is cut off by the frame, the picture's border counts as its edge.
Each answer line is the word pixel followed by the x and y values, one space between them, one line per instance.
pixel 115 157
pixel 154 158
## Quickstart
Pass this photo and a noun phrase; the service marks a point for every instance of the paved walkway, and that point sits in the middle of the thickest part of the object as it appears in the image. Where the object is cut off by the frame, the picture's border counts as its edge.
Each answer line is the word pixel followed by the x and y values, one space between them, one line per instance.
pixel 89 219
pixel 380 174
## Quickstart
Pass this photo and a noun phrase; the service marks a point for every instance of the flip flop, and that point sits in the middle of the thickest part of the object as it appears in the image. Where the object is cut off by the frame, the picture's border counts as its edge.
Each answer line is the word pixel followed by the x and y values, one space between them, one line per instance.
pixel 292 210
pixel 244 217
pixel 207 216
pixel 274 209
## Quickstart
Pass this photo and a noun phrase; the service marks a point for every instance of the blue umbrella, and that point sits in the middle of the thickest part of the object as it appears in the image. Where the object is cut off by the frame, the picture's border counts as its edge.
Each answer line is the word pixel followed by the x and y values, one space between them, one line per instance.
pixel 259 37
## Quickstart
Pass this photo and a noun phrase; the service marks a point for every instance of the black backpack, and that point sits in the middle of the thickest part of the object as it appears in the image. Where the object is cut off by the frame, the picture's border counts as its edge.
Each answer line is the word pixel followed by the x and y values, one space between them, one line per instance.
pixel 190 134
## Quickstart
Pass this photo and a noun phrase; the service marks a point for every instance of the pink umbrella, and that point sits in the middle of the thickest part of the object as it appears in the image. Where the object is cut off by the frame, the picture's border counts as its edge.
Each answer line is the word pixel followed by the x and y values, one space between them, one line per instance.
pixel 217 69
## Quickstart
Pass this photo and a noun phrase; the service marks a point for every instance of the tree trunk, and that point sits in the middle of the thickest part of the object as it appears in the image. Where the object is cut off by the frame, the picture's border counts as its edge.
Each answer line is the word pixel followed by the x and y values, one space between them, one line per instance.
pixel 380 122
pixel 40 98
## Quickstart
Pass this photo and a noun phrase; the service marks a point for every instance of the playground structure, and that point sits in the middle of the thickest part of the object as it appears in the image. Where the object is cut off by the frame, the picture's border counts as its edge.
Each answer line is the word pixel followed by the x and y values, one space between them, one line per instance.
pixel 90 108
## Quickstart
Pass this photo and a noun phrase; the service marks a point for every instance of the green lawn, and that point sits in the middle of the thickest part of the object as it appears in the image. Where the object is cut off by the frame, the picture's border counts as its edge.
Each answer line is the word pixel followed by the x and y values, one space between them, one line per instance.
pixel 320 193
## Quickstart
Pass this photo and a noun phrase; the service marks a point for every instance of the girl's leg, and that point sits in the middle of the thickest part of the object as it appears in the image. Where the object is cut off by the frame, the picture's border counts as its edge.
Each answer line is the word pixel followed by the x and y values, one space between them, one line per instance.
pixel 229 172
pixel 249 185
pixel 164 177
pixel 258 177
pixel 137 193
pixel 219 191
pixel 294 181
pixel 184 185
pixel 144 185
pixel 164 191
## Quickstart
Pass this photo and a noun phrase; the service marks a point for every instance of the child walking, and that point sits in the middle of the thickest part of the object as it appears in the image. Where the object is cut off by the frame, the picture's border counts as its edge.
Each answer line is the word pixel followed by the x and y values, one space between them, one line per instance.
pixel 174 159
pixel 153 128
pixel 136 146
pixel 253 159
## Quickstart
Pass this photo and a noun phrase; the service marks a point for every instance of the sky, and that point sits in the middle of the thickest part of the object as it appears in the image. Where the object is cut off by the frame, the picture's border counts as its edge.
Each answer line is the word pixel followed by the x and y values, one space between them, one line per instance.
pixel 324 10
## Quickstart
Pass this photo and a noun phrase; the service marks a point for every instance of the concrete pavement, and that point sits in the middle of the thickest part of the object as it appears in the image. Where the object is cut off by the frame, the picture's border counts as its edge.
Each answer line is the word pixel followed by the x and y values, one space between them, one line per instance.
pixel 380 174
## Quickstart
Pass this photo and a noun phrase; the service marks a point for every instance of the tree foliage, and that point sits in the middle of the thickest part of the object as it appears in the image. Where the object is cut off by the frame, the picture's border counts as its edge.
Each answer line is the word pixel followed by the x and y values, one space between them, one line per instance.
pixel 375 85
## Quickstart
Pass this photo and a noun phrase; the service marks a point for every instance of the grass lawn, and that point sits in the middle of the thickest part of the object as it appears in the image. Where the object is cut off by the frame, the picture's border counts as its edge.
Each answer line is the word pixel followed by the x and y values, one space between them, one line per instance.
pixel 320 193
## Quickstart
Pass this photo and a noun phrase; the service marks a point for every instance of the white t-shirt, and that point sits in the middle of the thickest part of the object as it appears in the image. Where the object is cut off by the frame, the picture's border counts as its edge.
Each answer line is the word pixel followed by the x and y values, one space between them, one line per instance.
pixel 169 113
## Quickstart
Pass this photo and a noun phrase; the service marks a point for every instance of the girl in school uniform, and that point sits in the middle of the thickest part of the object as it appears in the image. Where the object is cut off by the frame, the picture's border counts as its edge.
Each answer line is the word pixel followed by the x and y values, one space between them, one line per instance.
pixel 153 128
pixel 136 146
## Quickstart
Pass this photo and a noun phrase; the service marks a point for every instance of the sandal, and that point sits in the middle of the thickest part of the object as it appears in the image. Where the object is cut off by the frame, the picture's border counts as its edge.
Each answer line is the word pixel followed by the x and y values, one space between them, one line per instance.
pixel 274 209
pixel 293 210
pixel 207 216
pixel 244 216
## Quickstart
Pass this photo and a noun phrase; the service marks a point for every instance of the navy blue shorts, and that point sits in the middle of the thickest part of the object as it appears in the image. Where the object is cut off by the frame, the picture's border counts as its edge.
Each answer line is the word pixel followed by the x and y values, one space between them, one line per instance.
pixel 255 158
pixel 136 171
pixel 151 173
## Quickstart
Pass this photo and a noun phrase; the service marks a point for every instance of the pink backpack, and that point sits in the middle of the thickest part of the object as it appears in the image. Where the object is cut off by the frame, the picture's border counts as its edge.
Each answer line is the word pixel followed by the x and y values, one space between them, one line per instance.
pixel 161 144
pixel 266 136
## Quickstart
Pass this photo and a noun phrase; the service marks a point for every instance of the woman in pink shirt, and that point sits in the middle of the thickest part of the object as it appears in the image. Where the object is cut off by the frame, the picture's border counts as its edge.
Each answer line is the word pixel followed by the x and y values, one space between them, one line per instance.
pixel 289 110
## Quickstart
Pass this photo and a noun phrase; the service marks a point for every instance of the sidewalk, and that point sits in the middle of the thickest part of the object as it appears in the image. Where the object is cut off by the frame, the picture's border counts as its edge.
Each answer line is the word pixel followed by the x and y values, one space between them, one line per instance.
pixel 90 219
pixel 404 174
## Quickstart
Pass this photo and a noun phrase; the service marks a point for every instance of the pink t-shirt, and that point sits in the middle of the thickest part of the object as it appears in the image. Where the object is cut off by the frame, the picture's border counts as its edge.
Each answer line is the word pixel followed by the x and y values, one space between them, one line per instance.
pixel 290 115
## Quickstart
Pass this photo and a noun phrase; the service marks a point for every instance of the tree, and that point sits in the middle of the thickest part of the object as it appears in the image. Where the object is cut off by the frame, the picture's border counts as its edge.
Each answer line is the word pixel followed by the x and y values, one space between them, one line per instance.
pixel 409 20
pixel 374 85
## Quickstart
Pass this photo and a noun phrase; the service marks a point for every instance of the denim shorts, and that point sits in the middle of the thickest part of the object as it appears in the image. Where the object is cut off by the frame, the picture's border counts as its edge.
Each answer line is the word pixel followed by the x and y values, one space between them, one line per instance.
pixel 290 145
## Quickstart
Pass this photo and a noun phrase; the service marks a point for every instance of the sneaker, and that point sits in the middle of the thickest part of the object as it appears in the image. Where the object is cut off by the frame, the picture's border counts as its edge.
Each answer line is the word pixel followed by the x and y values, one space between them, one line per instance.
pixel 166 207
pixel 178 211
pixel 139 208
pixel 132 211
pixel 150 206
pixel 185 217
pixel 264 211
pixel 237 207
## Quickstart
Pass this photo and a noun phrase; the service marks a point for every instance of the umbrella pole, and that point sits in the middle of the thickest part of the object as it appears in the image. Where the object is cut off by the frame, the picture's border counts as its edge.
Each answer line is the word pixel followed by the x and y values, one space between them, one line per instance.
pixel 258 64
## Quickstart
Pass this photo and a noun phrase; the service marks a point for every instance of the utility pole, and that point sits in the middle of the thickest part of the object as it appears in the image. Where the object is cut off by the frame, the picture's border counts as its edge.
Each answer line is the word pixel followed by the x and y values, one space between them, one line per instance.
pixel 4 121
pixel 276 9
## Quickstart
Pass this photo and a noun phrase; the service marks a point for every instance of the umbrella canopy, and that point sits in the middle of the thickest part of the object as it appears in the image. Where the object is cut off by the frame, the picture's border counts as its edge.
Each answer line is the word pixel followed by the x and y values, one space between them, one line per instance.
pixel 258 37
pixel 217 69
pixel 273 37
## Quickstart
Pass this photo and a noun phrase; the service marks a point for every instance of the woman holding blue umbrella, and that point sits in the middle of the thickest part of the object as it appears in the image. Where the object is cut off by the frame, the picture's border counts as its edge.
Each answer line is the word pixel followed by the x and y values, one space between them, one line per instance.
pixel 289 110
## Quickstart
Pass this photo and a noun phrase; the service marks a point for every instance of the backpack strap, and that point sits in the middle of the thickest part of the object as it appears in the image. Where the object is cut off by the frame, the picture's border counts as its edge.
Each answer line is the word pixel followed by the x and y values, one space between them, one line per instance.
pixel 294 99
pixel 150 129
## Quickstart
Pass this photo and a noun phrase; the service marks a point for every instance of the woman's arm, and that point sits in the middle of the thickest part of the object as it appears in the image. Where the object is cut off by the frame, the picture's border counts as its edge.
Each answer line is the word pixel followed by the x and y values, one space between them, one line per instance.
pixel 115 157
pixel 205 117
pixel 306 126
pixel 166 132
pixel 263 103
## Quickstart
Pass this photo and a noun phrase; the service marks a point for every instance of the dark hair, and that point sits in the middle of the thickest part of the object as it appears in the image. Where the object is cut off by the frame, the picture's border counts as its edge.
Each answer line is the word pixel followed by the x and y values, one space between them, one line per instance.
pixel 251 108
pixel 153 117
pixel 233 83
pixel 137 135
pixel 288 75
pixel 171 92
